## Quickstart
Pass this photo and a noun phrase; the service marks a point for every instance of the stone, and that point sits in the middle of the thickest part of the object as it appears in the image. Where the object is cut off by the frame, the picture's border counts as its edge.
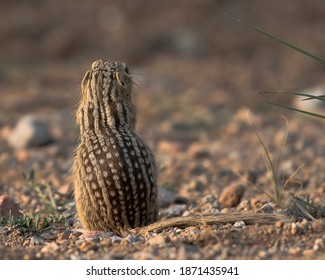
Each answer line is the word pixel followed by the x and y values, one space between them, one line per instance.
pixel 165 197
pixel 63 236
pixel 158 240
pixel 198 151
pixel 36 240
pixel 267 209
pixel 318 244
pixel 279 224
pixel 29 132
pixel 232 195
pixel 239 224
pixel 167 147
pixel 88 245
pixel 8 207
pixel 175 210
pixel 50 248
pixel 293 229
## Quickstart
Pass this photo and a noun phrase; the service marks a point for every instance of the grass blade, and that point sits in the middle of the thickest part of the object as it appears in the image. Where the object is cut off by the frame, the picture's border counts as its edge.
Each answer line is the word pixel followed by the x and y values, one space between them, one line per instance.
pixel 284 141
pixel 277 39
pixel 269 165
pixel 308 96
pixel 301 205
pixel 292 175
pixel 295 109
pixel 255 186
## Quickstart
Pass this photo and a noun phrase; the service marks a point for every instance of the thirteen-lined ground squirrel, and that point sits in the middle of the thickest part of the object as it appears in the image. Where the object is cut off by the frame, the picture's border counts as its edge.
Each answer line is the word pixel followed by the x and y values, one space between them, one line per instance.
pixel 114 172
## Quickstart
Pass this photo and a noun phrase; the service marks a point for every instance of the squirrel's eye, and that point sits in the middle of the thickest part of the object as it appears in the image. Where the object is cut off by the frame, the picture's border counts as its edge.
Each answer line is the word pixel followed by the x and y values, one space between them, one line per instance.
pixel 126 69
pixel 117 75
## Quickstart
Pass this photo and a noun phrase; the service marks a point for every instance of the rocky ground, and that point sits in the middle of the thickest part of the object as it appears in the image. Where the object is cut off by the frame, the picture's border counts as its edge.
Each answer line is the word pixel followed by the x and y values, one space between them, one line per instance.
pixel 197 73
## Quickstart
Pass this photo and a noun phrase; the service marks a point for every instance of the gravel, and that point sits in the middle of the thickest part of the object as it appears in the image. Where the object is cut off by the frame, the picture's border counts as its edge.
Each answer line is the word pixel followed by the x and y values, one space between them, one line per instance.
pixel 196 73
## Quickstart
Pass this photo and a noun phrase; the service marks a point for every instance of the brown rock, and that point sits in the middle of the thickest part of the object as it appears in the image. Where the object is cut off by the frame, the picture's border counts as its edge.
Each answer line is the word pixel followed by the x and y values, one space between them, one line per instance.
pixel 21 155
pixel 8 206
pixel 168 147
pixel 30 131
pixel 88 245
pixel 279 224
pixel 157 240
pixel 197 150
pixel 165 197
pixel 318 244
pixel 63 236
pixel 232 195
pixel 50 248
pixel 207 233
pixel 5 132
pixel 294 229
pixel 64 189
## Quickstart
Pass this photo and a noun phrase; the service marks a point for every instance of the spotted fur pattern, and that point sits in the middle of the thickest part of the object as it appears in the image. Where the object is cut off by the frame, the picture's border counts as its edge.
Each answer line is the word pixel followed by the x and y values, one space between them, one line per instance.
pixel 114 172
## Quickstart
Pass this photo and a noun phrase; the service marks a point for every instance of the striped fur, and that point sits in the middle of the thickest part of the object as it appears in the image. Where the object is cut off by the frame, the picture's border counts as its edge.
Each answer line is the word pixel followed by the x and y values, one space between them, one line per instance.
pixel 114 172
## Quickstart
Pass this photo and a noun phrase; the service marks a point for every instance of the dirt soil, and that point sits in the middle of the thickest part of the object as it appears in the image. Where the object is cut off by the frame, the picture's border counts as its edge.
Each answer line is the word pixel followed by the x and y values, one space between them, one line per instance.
pixel 197 73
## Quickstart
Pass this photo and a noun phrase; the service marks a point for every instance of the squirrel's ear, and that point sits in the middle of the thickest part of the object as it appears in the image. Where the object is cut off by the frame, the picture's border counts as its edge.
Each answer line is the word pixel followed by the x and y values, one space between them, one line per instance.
pixel 85 81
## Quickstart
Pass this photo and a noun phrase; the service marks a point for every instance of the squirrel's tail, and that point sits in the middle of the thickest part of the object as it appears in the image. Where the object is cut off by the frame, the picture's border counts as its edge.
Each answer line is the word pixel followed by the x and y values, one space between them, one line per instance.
pixel 214 219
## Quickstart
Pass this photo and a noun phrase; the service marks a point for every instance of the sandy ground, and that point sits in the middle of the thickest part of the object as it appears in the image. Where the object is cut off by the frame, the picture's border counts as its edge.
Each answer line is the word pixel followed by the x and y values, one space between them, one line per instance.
pixel 197 73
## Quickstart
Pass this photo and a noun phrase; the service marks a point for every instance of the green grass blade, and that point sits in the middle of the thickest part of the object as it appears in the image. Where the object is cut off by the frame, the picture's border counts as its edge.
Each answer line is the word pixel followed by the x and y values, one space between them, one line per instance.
pixel 308 96
pixel 277 39
pixel 284 141
pixel 269 164
pixel 255 186
pixel 292 175
pixel 295 109
pixel 300 204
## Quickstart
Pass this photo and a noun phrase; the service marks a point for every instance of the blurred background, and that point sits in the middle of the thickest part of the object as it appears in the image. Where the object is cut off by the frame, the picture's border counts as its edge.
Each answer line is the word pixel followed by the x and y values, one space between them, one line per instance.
pixel 194 67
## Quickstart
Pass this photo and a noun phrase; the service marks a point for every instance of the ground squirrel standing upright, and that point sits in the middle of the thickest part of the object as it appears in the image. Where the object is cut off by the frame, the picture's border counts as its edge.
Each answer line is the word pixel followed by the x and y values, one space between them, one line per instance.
pixel 115 175
pixel 114 172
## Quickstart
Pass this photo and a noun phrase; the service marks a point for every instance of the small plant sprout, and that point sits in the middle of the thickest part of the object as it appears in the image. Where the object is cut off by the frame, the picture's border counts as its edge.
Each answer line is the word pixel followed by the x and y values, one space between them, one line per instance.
pixel 304 206
pixel 44 192
pixel 278 184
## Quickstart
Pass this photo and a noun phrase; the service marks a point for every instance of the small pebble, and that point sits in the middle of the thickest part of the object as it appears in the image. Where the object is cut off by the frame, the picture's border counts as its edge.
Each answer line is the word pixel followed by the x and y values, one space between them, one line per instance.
pixel 36 240
pixel 88 245
pixel 206 233
pixel 279 224
pixel 198 151
pixel 70 222
pixel 186 213
pixel 8 207
pixel 158 240
pixel 239 224
pixel 308 253
pixel 267 209
pixel 304 223
pixel 63 236
pixel 263 254
pixel 318 244
pixel 175 210
pixel 168 147
pixel 116 239
pixel 214 211
pixel 30 131
pixel 293 229
pixel 210 198
pixel 49 236
pixel 134 238
pixel 294 251
pixel 232 195
pixel 50 248
pixel 165 197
